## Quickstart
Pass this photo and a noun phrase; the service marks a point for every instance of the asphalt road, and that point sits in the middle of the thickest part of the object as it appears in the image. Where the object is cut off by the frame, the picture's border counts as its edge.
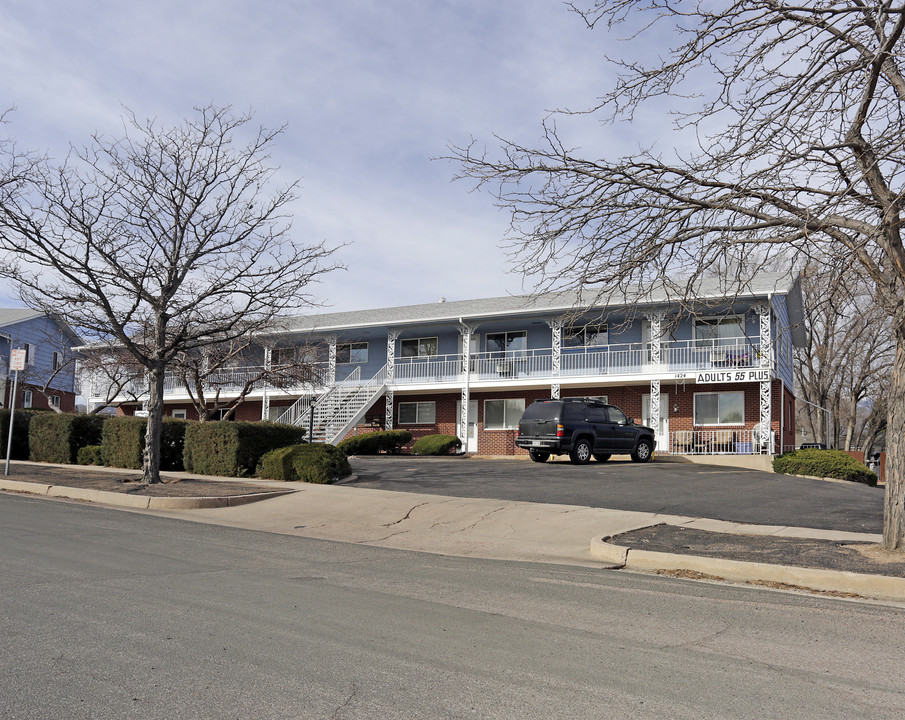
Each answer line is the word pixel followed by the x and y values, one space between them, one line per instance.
pixel 111 614
pixel 745 496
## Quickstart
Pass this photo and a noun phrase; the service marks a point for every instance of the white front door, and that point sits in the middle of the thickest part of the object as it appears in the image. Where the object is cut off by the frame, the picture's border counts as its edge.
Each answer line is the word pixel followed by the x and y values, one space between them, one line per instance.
pixel 471 439
pixel 661 433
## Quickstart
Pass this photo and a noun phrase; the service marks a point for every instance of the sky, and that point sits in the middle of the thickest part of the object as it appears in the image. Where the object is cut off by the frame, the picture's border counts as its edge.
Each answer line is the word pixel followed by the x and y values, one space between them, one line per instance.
pixel 371 93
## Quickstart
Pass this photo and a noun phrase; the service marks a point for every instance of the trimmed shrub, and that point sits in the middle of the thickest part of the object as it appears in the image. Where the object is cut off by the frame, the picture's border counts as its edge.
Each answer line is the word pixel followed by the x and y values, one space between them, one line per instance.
pixel 91 455
pixel 21 424
pixel 123 442
pixel 388 441
pixel 312 463
pixel 233 449
pixel 824 463
pixel 436 445
pixel 56 438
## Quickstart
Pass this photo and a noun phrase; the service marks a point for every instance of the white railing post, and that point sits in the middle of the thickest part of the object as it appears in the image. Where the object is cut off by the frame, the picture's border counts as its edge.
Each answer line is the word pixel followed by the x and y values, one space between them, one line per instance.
pixel 556 325
pixel 766 390
pixel 466 331
pixel 331 361
pixel 265 396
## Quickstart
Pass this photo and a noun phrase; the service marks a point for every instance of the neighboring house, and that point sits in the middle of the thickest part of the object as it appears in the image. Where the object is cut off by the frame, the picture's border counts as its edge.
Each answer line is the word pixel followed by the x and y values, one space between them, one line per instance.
pixel 712 375
pixel 48 380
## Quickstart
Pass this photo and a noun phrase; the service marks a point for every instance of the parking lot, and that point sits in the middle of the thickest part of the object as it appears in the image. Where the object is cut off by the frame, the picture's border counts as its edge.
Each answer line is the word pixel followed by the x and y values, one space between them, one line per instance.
pixel 737 495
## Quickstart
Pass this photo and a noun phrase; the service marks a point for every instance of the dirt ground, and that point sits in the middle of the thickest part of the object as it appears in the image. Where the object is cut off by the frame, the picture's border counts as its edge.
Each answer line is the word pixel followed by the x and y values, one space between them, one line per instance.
pixel 826 554
pixel 126 481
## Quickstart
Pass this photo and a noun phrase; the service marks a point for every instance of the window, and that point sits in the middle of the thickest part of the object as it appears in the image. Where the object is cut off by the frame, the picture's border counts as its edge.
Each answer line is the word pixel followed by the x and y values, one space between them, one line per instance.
pixel 352 353
pixel 285 356
pixel 26 398
pixel 719 408
pixel 179 414
pixel 30 352
pixel 418 347
pixel 55 401
pixel 586 336
pixel 417 413
pixel 718 331
pixel 507 344
pixel 221 414
pixel 57 360
pixel 503 414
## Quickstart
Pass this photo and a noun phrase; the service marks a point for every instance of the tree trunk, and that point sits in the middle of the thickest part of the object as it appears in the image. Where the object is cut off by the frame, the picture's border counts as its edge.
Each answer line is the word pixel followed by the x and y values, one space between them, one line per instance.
pixel 151 458
pixel 894 508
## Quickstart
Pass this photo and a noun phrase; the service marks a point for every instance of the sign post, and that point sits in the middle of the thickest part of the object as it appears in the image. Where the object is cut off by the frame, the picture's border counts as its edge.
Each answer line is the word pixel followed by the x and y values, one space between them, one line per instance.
pixel 16 363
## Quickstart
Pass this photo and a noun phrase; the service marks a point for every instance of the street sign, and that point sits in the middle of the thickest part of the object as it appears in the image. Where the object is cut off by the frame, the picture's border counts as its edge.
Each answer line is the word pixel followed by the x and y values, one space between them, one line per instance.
pixel 17 359
pixel 729 376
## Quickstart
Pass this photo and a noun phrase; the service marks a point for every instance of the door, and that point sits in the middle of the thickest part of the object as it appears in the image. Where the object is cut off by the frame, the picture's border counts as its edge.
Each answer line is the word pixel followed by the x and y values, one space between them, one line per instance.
pixel 661 433
pixel 471 439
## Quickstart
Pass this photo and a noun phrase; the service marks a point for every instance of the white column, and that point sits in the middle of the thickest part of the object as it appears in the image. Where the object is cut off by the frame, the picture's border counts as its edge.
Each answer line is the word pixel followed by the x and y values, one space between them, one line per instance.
pixel 556 359
pixel 331 360
pixel 265 399
pixel 392 336
pixel 656 332
pixel 466 331
pixel 766 361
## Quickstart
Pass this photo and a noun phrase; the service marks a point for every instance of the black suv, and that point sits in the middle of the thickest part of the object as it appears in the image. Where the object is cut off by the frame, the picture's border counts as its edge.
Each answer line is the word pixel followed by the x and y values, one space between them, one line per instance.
pixel 582 427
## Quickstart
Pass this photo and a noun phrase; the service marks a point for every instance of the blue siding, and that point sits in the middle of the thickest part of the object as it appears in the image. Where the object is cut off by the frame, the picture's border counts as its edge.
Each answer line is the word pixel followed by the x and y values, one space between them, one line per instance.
pixel 47 336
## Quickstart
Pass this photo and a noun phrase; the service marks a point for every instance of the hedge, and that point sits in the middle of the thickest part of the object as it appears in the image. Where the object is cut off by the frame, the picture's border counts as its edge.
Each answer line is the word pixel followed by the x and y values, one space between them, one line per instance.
pixel 56 438
pixel 312 463
pixel 436 445
pixel 824 463
pixel 90 455
pixel 233 449
pixel 20 449
pixel 123 442
pixel 389 441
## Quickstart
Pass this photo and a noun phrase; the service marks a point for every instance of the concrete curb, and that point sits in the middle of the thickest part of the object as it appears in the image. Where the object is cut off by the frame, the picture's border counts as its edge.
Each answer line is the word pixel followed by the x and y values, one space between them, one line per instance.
pixel 144 502
pixel 881 587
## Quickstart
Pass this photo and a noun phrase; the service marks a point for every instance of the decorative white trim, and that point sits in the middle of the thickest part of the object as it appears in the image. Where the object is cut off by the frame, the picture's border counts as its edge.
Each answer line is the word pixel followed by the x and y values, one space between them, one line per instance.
pixel 331 360
pixel 656 318
pixel 466 330
pixel 766 420
pixel 554 391
pixel 655 405
pixel 265 396
pixel 766 340
pixel 388 416
pixel 556 325
pixel 463 419
pixel 392 336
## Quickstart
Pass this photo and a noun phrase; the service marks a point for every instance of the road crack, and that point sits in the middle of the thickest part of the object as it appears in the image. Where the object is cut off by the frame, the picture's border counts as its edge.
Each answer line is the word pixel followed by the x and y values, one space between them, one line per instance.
pixel 405 517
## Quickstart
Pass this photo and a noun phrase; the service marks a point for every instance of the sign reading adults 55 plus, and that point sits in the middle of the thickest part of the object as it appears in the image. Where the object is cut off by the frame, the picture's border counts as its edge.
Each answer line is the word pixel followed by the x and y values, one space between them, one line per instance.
pixel 727 376
pixel 17 359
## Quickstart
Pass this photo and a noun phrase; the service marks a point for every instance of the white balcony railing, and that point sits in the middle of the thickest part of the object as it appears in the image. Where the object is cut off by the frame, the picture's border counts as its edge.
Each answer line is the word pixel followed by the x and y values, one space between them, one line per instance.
pixel 717 442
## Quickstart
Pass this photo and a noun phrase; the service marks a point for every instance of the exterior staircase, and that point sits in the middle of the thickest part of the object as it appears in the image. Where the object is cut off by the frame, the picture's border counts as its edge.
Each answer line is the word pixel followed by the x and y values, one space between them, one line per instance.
pixel 339 409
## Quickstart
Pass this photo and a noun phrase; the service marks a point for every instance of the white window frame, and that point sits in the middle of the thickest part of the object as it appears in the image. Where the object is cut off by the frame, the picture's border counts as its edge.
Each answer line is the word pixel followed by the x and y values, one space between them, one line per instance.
pixel 28 398
pixel 425 413
pixel 31 351
pixel 350 346
pixel 506 420
pixel 718 320
pixel 417 342
pixel 506 352
pixel 55 401
pixel 179 413
pixel 603 329
pixel 57 360
pixel 222 411
pixel 718 424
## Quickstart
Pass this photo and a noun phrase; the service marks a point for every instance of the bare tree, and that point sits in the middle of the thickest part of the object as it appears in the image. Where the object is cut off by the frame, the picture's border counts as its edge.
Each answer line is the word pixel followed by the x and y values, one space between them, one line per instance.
pixel 844 368
pixel 797 111
pixel 219 378
pixel 112 374
pixel 161 242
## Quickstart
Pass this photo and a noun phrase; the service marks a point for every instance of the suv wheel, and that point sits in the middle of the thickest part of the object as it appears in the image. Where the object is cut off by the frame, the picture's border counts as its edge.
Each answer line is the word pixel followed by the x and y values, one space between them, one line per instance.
pixel 601 457
pixel 581 453
pixel 643 452
pixel 538 455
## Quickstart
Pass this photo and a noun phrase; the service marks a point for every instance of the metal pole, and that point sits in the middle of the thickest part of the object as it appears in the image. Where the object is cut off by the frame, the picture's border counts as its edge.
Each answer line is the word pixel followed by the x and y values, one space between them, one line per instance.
pixel 311 424
pixel 12 417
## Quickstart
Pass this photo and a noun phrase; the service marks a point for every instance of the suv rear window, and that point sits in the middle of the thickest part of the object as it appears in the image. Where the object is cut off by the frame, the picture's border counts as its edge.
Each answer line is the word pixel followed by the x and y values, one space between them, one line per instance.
pixel 541 410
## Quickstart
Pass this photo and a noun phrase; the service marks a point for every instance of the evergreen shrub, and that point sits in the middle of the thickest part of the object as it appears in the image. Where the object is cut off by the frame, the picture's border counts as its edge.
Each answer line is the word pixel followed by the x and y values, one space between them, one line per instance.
pixel 21 423
pixel 388 441
pixel 90 455
pixel 57 437
pixel 233 449
pixel 308 462
pixel 123 442
pixel 824 463
pixel 436 445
